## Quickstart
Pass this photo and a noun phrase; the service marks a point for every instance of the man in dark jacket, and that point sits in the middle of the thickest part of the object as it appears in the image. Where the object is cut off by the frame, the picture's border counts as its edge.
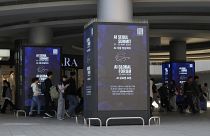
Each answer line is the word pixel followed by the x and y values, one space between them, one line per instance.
pixel 48 100
pixel 71 94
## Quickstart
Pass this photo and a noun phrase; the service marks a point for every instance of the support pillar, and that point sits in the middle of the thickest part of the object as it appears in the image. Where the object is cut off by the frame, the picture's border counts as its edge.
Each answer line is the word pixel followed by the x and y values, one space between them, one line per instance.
pixel 115 10
pixel 40 35
pixel 111 46
pixel 178 51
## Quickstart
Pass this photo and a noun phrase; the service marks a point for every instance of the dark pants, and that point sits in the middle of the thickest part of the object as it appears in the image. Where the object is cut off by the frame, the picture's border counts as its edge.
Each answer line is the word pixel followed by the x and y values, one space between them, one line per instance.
pixel 165 103
pixel 79 107
pixel 73 102
pixel 48 103
pixel 190 104
pixel 151 106
pixel 6 103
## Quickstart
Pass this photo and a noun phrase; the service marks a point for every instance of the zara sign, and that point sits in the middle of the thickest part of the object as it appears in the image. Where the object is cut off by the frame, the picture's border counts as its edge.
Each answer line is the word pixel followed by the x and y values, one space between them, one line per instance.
pixel 72 61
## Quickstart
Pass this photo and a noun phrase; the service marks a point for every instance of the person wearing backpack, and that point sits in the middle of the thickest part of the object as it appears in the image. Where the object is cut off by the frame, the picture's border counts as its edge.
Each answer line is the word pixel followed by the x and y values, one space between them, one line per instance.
pixel 7 95
pixel 61 101
pixel 35 98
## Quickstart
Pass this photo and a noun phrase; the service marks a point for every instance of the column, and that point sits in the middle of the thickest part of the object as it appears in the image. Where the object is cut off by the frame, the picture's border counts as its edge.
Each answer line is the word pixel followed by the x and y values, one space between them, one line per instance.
pixel 178 50
pixel 122 93
pixel 115 10
pixel 40 35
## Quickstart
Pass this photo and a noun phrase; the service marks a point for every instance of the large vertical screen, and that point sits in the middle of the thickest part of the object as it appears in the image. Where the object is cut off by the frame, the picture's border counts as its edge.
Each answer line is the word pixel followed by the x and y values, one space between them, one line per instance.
pixel 122 67
pixel 37 62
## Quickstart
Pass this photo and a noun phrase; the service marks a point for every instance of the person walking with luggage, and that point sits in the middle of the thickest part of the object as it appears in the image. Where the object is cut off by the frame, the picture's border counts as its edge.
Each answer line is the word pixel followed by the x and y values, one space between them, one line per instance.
pixel 35 98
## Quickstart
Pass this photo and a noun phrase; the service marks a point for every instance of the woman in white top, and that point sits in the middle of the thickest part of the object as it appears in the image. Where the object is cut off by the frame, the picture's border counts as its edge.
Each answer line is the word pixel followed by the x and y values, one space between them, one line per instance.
pixel 35 98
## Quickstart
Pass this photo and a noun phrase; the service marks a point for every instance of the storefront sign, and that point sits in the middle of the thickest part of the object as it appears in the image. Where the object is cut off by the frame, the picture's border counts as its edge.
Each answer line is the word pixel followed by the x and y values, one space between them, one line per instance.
pixel 72 61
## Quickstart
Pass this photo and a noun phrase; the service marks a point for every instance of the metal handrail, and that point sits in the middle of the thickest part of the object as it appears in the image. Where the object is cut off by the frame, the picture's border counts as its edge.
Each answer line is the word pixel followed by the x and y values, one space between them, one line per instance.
pixel 117 118
pixel 89 121
pixel 156 120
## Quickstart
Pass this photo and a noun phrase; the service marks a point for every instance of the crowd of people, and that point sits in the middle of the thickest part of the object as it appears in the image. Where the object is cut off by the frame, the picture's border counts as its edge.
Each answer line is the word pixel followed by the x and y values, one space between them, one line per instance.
pixel 65 97
pixel 189 97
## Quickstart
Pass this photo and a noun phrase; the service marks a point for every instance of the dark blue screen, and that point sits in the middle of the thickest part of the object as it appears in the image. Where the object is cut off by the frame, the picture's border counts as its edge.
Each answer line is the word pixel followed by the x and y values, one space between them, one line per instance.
pixel 177 71
pixel 181 71
pixel 122 67
pixel 37 62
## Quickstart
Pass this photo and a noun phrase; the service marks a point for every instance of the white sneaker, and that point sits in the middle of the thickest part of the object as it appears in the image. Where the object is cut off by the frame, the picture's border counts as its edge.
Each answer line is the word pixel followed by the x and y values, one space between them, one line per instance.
pixel 60 118
pixel 201 111
pixel 188 111
pixel 48 115
pixel 30 114
pixel 67 114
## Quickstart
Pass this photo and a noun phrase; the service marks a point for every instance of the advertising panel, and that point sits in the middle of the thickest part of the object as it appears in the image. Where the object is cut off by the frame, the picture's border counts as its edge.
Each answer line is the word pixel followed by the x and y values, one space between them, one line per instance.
pixel 37 62
pixel 122 67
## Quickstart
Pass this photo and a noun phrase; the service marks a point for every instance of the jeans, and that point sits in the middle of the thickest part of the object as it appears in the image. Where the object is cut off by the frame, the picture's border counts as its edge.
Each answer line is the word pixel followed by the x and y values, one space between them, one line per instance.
pixel 73 102
pixel 35 101
pixel 61 107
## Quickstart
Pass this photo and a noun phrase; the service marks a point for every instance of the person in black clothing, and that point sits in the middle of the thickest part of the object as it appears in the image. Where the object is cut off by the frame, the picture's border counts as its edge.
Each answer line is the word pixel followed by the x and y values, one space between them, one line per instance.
pixel 155 93
pixel 197 93
pixel 163 92
pixel 189 93
pixel 48 100
pixel 172 95
pixel 79 108
pixel 7 95
pixel 180 101
pixel 71 94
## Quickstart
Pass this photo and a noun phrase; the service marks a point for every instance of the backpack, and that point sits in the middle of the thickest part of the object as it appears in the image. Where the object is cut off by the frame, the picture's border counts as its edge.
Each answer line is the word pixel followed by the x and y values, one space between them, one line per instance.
pixel 54 92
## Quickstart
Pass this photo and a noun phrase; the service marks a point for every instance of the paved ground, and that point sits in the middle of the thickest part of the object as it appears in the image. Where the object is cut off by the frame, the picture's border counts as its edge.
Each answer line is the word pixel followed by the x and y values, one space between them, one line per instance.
pixel 172 124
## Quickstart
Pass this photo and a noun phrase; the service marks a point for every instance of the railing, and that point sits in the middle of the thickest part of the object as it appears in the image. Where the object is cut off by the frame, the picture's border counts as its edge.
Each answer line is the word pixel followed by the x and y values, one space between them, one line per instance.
pixel 123 118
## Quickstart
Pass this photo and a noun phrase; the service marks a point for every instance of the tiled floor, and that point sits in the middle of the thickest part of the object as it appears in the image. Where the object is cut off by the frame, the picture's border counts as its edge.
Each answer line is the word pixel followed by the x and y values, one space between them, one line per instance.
pixel 172 124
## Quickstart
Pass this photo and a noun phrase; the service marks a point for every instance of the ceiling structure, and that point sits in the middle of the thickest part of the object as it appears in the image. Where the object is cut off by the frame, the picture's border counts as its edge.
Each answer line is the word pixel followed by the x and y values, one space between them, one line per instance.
pixel 168 20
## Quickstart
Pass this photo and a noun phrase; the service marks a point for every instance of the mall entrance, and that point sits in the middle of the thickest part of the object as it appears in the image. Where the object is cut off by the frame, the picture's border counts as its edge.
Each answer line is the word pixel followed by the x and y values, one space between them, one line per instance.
pixel 7 72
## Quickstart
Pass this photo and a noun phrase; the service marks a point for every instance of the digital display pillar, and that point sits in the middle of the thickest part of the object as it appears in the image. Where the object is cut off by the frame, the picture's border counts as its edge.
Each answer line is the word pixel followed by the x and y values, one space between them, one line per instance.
pixel 116 71
pixel 37 61
pixel 177 71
